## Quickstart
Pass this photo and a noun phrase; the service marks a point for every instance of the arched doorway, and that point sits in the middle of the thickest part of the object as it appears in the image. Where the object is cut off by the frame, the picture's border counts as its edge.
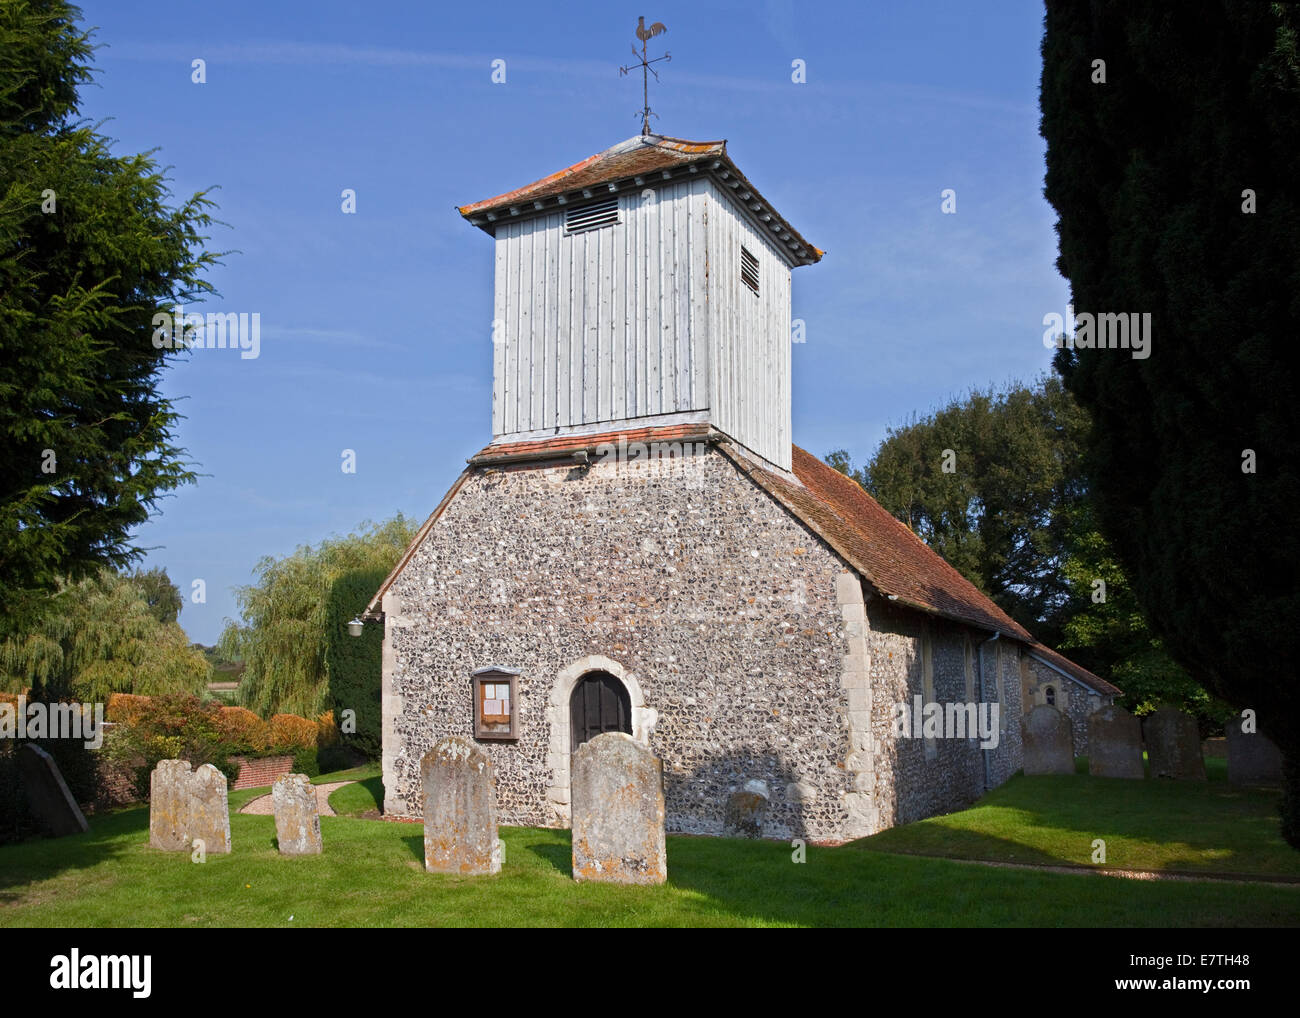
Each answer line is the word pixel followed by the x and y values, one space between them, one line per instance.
pixel 599 703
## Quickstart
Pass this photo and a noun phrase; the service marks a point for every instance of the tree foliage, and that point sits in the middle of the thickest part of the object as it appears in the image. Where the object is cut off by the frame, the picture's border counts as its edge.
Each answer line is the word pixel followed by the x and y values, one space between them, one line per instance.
pixel 90 249
pixel 354 663
pixel 283 635
pixel 1174 183
pixel 988 482
pixel 102 637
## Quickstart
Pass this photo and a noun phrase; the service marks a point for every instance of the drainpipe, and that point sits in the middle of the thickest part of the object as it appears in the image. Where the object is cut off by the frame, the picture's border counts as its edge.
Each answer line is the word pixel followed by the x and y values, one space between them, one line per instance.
pixel 979 667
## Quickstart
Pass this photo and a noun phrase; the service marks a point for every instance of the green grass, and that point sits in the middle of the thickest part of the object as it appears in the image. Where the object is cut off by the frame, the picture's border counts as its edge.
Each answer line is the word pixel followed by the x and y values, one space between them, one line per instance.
pixel 371 874
pixel 1175 826
pixel 363 797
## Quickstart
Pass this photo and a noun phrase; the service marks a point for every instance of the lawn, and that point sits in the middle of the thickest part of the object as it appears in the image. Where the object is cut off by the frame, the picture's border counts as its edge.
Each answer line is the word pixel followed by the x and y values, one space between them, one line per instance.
pixel 371 874
pixel 1172 826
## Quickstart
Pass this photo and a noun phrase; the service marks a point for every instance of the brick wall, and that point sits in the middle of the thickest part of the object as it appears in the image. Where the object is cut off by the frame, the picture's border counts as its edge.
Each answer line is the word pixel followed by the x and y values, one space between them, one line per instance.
pixel 260 771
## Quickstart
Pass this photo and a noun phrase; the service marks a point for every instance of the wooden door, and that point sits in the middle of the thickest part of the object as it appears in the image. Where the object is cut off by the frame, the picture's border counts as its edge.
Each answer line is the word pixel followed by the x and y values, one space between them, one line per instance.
pixel 599 704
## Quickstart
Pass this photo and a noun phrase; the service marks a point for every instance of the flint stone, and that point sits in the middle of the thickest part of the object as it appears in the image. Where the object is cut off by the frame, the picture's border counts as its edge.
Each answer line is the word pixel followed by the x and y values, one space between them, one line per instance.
pixel 297 821
pixel 1253 759
pixel 747 809
pixel 1047 740
pixel 460 809
pixel 185 805
pixel 1115 744
pixel 47 793
pixel 1173 745
pixel 618 812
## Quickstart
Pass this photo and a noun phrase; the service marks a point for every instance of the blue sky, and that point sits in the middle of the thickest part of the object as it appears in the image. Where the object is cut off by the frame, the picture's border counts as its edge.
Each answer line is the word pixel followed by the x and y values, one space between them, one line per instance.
pixel 376 326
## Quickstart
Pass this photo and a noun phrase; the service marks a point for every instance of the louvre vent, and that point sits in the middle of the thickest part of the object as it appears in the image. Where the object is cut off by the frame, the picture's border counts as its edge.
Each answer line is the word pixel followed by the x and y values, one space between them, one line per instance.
pixel 748 269
pixel 592 216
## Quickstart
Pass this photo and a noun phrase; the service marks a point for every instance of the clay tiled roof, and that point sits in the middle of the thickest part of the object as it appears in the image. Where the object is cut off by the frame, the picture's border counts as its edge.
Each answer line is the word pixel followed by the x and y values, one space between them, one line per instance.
pixel 887 554
pixel 564 445
pixel 635 157
pixel 650 158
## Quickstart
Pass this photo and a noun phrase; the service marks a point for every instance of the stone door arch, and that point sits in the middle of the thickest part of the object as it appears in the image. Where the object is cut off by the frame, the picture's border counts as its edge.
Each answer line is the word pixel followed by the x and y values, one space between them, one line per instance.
pixel 643 719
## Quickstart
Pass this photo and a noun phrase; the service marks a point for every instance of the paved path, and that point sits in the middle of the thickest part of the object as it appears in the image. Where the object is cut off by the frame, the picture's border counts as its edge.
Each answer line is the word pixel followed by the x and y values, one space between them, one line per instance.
pixel 264 807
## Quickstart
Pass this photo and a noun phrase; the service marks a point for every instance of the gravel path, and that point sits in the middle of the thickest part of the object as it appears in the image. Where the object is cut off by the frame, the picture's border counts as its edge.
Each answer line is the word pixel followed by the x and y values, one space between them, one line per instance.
pixel 263 806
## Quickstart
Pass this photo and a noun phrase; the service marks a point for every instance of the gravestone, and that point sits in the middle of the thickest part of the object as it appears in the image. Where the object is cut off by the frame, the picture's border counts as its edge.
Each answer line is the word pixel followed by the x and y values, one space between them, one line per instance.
pixel 1114 744
pixel 1253 759
pixel 1173 745
pixel 185 804
pixel 618 812
pixel 209 816
pixel 169 805
pixel 460 809
pixel 297 820
pixel 1048 741
pixel 747 809
pixel 47 793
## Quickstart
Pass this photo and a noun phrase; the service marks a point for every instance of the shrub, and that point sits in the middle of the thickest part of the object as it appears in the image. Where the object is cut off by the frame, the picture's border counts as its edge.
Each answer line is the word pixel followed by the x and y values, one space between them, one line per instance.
pixel 355 663
pixel 290 732
pixel 124 708
pixel 176 726
pixel 242 731
pixel 306 761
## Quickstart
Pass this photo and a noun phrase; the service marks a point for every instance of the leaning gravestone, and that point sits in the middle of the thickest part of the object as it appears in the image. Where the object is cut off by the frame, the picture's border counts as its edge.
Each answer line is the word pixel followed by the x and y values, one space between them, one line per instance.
pixel 169 805
pixel 1253 759
pixel 1047 740
pixel 460 809
pixel 297 820
pixel 618 812
pixel 186 805
pixel 47 793
pixel 1114 744
pixel 1174 745
pixel 747 808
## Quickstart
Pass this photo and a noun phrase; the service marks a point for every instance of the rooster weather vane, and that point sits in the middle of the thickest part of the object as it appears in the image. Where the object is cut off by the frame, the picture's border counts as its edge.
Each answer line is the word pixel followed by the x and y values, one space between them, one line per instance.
pixel 645 35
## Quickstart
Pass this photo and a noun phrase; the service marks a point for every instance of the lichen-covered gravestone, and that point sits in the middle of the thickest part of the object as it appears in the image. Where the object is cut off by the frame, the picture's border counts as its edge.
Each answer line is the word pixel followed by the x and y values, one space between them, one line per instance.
pixel 618 812
pixel 1253 759
pixel 187 805
pixel 297 820
pixel 1174 745
pixel 1114 744
pixel 1048 741
pixel 48 794
pixel 747 809
pixel 209 819
pixel 169 805
pixel 460 809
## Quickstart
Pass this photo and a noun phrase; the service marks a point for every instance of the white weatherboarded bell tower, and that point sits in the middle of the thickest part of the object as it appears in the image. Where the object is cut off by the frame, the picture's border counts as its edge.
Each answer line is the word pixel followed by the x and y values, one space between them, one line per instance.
pixel 646 286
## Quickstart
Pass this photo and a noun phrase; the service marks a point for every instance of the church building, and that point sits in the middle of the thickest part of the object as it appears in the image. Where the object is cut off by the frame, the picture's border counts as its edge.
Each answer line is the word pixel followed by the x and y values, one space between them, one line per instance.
pixel 642 548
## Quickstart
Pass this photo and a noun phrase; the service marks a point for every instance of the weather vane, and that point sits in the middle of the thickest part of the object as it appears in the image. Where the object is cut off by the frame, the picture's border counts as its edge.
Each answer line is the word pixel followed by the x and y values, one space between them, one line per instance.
pixel 645 35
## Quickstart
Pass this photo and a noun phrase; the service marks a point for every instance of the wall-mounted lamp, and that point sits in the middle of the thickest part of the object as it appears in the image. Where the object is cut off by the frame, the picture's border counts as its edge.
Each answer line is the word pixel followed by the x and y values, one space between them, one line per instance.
pixel 355 626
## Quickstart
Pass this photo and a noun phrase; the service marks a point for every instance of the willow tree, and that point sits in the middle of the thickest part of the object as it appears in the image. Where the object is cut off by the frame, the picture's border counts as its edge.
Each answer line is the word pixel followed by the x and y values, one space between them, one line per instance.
pixel 283 637
pixel 1173 137
pixel 102 637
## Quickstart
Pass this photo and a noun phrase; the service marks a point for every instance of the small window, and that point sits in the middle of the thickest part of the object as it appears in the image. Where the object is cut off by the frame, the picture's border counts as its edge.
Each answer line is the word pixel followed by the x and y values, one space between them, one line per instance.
pixel 1050 696
pixel 748 269
pixel 495 704
pixel 592 216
